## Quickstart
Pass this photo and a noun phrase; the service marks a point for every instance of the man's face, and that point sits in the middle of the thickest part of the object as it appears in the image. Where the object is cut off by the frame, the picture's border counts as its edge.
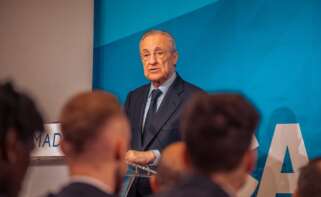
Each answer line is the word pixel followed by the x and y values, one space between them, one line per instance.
pixel 158 57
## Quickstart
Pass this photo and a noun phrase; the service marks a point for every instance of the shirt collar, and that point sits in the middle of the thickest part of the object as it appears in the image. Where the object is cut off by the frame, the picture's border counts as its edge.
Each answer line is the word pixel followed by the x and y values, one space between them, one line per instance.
pixel 92 181
pixel 165 86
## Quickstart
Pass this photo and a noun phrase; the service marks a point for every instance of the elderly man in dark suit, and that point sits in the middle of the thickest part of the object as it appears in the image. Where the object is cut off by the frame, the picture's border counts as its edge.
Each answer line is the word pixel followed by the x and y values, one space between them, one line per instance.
pixel 218 131
pixel 154 109
pixel 95 140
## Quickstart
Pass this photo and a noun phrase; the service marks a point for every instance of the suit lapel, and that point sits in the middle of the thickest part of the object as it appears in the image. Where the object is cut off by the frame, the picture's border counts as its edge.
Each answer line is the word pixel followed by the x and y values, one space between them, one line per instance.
pixel 141 103
pixel 169 105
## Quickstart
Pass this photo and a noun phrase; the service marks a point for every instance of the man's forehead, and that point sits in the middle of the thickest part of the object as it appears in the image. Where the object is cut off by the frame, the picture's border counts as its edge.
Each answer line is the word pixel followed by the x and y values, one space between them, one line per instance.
pixel 155 40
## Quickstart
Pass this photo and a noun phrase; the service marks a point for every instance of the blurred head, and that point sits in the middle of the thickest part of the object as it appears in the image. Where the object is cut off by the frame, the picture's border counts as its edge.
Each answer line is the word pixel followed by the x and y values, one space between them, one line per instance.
pixel 95 130
pixel 159 56
pixel 309 180
pixel 19 121
pixel 218 130
pixel 171 169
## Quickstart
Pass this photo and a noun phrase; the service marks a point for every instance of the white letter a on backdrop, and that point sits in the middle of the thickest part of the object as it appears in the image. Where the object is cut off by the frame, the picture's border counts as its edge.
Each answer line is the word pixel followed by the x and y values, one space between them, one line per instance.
pixel 273 181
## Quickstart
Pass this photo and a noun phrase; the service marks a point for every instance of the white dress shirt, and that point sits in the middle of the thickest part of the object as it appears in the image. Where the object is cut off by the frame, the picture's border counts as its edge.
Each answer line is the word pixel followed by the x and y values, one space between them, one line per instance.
pixel 164 88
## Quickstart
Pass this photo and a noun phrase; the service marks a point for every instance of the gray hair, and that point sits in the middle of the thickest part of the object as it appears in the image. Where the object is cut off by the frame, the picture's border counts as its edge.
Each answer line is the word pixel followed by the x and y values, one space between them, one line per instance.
pixel 167 34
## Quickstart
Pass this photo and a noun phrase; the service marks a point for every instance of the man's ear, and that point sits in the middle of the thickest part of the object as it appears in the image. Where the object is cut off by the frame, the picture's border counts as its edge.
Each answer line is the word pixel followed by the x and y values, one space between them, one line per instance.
pixel 65 147
pixel 176 56
pixel 250 159
pixel 186 158
pixel 11 143
pixel 296 193
pixel 120 149
pixel 118 152
pixel 154 184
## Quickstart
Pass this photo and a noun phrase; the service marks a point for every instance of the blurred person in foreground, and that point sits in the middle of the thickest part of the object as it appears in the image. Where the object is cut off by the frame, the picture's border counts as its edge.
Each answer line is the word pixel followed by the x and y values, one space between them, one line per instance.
pixel 19 121
pixel 218 131
pixel 171 169
pixel 309 180
pixel 95 141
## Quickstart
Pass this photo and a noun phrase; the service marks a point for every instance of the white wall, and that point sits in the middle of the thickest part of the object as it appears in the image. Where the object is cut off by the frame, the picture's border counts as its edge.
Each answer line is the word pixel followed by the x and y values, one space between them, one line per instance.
pixel 46 48
pixel 44 177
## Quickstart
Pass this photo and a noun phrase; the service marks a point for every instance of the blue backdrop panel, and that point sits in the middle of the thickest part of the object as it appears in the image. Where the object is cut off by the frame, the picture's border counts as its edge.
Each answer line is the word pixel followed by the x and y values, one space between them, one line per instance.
pixel 268 49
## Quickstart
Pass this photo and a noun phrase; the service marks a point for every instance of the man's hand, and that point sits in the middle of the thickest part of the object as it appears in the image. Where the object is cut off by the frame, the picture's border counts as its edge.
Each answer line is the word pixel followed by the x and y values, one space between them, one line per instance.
pixel 140 157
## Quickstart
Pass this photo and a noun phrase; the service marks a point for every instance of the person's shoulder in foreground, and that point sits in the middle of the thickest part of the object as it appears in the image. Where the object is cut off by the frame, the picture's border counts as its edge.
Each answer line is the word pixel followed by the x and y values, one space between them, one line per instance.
pixel 80 189
pixel 194 186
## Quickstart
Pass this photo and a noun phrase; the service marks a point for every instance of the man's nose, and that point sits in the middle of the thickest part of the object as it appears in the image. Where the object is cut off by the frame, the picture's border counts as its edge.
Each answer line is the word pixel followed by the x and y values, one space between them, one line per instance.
pixel 152 59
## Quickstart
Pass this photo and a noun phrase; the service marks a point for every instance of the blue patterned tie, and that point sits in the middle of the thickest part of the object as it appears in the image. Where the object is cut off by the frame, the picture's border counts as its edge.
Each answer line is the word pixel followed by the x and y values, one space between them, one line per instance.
pixel 151 112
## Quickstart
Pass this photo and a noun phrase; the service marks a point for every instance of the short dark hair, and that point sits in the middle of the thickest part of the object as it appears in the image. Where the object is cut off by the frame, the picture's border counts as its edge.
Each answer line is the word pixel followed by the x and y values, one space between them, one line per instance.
pixel 84 114
pixel 218 129
pixel 19 112
pixel 310 179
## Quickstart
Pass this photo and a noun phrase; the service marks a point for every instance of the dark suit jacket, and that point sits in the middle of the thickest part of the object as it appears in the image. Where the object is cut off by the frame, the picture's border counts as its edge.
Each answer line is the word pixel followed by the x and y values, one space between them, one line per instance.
pixel 80 189
pixel 3 195
pixel 195 186
pixel 165 125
